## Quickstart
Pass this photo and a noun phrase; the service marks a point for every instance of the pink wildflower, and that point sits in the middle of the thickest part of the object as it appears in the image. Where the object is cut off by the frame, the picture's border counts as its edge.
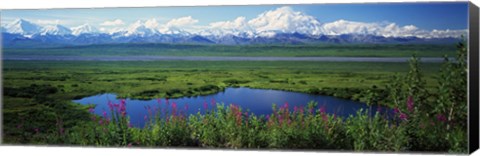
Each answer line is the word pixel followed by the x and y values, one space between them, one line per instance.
pixel 322 109
pixel 403 116
pixel 410 104
pixel 396 110
pixel 91 110
pixel 174 108
pixel 205 105
pixel 441 117
pixel 213 102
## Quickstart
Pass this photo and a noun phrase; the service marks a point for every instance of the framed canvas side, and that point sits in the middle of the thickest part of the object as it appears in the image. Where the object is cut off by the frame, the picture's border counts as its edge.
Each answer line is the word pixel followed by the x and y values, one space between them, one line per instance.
pixel 473 78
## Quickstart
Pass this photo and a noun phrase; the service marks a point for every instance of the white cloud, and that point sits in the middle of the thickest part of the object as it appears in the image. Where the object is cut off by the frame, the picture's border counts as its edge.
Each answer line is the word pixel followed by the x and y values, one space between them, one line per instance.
pixel 385 29
pixel 116 22
pixel 182 22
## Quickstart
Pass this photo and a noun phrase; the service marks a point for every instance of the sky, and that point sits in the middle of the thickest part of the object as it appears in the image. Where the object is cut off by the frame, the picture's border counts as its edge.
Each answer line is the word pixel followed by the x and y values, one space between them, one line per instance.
pixel 427 16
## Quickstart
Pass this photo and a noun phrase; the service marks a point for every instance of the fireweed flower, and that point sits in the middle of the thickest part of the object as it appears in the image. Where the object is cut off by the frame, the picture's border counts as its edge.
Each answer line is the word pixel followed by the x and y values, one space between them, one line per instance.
pixel 403 116
pixel 110 105
pixel 410 104
pixel 396 110
pixel 213 102
pixel 322 109
pixel 205 105
pixel 37 130
pixel 91 110
pixel 174 108
pixel 441 117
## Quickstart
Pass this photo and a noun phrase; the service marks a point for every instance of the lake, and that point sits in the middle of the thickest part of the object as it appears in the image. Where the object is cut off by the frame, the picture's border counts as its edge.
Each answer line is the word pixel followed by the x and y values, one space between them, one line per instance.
pixel 257 101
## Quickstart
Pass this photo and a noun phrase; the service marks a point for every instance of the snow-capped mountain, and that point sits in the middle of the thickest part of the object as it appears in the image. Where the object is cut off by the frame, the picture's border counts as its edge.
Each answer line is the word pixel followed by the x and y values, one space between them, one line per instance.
pixel 278 26
pixel 84 29
pixel 57 30
pixel 140 29
pixel 23 27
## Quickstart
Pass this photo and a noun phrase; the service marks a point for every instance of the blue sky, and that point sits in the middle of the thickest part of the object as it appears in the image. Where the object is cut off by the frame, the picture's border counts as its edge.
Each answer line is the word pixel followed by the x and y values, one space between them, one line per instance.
pixel 426 16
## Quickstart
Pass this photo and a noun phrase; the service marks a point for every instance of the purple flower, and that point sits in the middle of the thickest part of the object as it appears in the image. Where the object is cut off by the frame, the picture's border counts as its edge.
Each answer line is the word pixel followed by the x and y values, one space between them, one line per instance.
pixel 174 108
pixel 110 105
pixel 396 110
pixel 104 114
pixel 205 105
pixel 403 116
pixel 186 107
pixel 267 117
pixel 37 130
pixel 322 109
pixel 441 117
pixel 145 117
pixel 213 102
pixel 91 110
pixel 410 104
pixel 286 105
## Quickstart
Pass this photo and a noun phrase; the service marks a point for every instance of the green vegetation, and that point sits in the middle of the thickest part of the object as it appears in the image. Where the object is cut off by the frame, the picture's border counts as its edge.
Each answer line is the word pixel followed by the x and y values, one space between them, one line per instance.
pixel 143 49
pixel 429 100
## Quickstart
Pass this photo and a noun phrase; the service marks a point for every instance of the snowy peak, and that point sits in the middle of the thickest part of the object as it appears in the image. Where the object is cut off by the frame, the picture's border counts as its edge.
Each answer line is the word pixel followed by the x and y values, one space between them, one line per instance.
pixel 56 30
pixel 23 27
pixel 140 29
pixel 84 29
pixel 285 20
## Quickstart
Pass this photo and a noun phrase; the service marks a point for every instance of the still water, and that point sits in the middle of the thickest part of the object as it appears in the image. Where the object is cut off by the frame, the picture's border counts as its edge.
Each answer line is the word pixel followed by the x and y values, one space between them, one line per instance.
pixel 257 101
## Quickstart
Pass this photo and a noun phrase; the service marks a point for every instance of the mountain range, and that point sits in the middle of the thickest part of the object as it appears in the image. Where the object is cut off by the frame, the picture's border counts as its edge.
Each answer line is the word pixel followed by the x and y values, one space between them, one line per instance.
pixel 280 26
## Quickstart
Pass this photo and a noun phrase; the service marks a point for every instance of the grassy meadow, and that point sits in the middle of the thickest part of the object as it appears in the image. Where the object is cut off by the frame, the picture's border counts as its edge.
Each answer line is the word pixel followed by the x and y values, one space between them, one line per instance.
pixel 37 107
pixel 158 49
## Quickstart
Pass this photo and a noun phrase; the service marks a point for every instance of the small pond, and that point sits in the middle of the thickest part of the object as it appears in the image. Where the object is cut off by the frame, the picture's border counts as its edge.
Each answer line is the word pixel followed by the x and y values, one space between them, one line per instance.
pixel 257 101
